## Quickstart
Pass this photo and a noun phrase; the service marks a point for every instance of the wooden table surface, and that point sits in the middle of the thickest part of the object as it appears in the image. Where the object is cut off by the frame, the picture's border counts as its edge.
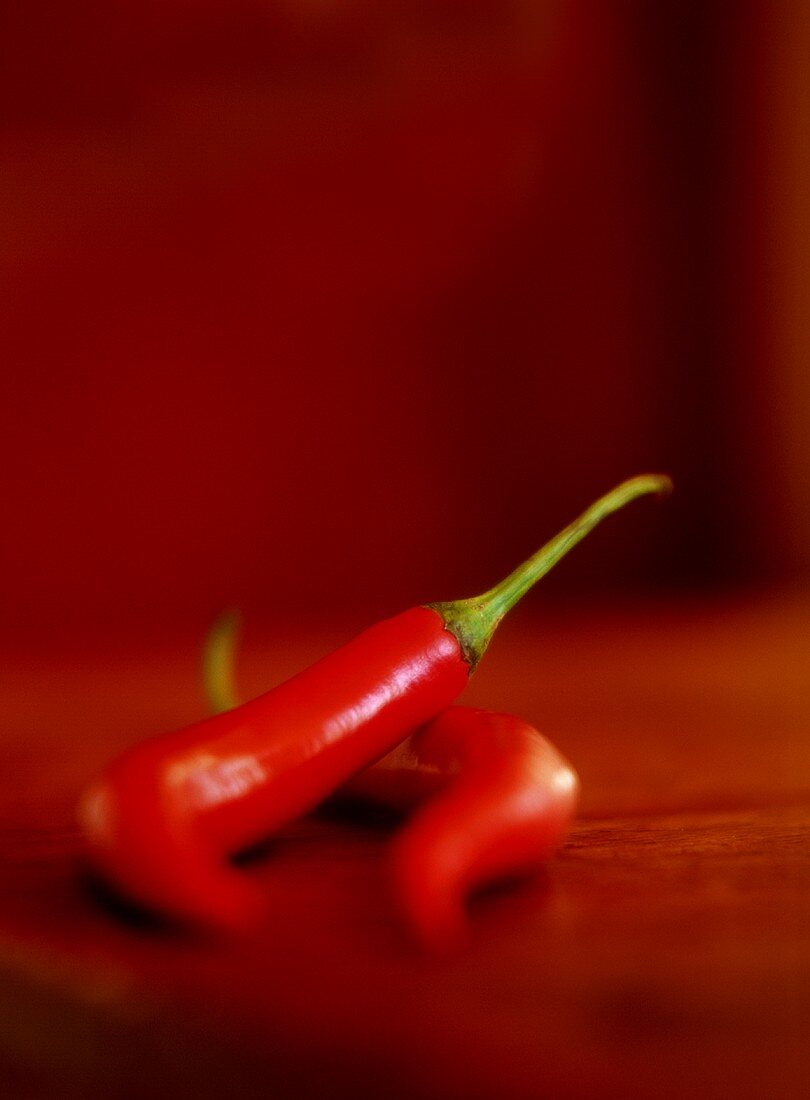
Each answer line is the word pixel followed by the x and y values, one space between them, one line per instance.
pixel 664 953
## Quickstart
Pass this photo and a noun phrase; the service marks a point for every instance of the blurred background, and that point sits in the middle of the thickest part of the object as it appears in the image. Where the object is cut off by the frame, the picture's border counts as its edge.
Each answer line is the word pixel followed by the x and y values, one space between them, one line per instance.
pixel 311 307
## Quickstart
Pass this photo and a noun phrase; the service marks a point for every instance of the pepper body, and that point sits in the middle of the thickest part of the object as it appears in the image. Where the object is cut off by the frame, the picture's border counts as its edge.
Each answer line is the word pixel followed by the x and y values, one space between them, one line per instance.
pixel 498 798
pixel 165 816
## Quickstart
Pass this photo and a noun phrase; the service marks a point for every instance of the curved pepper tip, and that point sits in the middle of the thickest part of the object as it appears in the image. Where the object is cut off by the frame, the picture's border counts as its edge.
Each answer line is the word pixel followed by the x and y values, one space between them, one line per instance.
pixel 159 865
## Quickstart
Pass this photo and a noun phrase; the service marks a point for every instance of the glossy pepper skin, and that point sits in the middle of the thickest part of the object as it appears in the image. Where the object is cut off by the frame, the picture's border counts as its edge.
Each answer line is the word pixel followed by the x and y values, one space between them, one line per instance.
pixel 493 797
pixel 163 820
pixel 487 796
pixel 165 815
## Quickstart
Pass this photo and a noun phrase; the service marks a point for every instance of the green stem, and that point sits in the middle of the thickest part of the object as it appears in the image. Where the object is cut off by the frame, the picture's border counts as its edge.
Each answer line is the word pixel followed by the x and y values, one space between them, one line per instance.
pixel 473 621
pixel 218 663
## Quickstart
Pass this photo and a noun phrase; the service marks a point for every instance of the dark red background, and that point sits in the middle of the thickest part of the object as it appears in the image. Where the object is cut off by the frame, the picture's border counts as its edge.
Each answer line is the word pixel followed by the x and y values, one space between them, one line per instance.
pixel 353 304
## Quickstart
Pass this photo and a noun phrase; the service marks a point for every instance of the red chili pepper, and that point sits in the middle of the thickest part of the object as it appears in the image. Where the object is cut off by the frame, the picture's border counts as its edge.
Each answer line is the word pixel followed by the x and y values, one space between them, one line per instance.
pixel 506 802
pixel 163 819
pixel 501 800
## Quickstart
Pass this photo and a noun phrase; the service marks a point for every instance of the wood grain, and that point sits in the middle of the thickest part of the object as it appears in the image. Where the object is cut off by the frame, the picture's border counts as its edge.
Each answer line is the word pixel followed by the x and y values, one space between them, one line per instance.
pixel 664 952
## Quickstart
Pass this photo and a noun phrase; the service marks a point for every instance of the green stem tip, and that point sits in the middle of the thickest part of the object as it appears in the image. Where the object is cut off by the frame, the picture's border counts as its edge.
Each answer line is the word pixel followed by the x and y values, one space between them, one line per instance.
pixel 218 662
pixel 473 621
